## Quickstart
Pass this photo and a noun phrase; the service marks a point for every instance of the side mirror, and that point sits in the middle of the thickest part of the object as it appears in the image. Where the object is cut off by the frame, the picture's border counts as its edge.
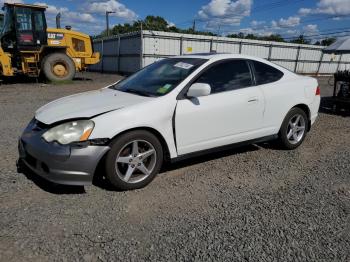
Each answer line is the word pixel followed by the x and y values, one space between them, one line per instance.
pixel 198 90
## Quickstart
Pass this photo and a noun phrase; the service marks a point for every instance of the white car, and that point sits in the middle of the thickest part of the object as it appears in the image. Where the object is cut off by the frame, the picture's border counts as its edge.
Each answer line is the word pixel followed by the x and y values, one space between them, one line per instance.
pixel 172 109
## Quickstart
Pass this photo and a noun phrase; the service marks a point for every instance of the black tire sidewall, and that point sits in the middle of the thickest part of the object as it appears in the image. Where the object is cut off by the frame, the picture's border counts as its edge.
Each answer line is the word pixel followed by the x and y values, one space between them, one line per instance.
pixel 283 131
pixel 118 143
pixel 51 59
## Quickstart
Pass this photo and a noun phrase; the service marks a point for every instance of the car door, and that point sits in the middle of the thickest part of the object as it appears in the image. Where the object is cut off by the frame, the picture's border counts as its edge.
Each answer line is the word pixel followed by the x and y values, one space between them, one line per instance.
pixel 278 95
pixel 233 112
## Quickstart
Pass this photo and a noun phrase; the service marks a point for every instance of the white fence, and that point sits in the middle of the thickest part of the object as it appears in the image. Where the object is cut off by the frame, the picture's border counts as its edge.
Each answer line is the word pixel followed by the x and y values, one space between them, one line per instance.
pixel 128 53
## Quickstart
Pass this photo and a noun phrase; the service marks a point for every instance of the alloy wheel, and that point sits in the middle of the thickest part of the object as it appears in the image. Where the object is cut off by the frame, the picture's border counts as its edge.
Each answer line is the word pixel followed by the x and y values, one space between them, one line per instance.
pixel 136 161
pixel 296 129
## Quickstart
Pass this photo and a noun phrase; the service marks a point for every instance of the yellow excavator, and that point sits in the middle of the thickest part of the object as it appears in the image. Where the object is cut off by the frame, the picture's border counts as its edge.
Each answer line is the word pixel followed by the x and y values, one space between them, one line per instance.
pixel 29 48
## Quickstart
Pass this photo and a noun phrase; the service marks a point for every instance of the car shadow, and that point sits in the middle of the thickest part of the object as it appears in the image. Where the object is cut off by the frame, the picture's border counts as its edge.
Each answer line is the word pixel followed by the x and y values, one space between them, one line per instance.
pixel 49 186
pixel 206 157
pixel 22 79
pixel 101 182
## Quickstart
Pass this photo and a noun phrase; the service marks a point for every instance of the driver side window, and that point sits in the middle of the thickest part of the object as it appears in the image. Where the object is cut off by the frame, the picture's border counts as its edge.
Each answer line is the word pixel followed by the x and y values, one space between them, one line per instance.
pixel 227 76
pixel 24 19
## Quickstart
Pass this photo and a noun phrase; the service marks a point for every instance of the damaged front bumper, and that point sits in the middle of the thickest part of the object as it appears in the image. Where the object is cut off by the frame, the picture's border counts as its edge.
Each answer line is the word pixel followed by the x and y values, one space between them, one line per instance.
pixel 73 164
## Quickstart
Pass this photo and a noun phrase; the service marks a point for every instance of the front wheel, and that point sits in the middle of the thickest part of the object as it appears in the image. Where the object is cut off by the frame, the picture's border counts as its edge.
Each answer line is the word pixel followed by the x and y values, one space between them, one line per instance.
pixel 294 128
pixel 58 67
pixel 134 160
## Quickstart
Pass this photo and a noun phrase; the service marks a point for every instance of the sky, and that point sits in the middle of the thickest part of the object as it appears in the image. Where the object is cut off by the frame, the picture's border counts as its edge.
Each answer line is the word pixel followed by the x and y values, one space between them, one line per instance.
pixel 289 18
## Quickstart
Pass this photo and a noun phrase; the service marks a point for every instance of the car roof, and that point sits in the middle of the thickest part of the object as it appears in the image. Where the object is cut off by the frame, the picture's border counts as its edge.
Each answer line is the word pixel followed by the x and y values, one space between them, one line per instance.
pixel 218 56
pixel 221 56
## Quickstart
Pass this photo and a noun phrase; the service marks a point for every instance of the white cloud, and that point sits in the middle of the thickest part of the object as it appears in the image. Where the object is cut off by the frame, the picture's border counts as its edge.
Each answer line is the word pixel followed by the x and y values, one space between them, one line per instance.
pixel 291 21
pixel 79 21
pixel 304 11
pixel 328 7
pixel 310 30
pixel 53 10
pixel 11 1
pixel 170 24
pixel 256 24
pixel 258 32
pixel 100 7
pixel 333 7
pixel 225 12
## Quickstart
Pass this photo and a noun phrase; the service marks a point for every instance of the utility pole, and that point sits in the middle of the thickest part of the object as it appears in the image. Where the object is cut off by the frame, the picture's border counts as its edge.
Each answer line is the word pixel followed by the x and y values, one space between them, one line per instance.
pixel 58 20
pixel 107 20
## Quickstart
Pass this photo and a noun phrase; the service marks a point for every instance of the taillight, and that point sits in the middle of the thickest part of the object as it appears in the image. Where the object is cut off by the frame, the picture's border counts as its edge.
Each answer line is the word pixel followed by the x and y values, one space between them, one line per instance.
pixel 318 91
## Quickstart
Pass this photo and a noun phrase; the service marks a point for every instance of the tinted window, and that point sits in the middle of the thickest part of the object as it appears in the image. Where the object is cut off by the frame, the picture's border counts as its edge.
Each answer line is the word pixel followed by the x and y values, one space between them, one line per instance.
pixel 266 74
pixel 39 20
pixel 160 77
pixel 229 75
pixel 24 19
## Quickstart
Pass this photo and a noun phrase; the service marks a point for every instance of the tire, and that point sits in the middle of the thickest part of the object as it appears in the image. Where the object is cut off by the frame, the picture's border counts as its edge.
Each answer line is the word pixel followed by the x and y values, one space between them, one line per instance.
pixel 58 67
pixel 125 166
pixel 293 131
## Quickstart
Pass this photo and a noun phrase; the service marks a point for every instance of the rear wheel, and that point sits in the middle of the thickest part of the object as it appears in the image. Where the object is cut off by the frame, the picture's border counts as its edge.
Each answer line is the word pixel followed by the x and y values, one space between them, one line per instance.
pixel 58 67
pixel 294 128
pixel 134 160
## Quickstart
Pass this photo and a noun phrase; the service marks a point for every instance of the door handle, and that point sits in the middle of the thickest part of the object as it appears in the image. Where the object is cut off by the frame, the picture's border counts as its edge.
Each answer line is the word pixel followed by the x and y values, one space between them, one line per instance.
pixel 253 99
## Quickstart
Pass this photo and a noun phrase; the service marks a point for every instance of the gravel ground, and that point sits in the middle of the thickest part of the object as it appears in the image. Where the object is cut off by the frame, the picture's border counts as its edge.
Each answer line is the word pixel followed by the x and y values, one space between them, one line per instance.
pixel 255 203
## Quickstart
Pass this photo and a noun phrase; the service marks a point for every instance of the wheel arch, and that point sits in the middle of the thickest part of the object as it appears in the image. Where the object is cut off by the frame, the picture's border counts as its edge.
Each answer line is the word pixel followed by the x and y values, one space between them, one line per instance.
pixel 51 50
pixel 155 133
pixel 166 151
pixel 307 111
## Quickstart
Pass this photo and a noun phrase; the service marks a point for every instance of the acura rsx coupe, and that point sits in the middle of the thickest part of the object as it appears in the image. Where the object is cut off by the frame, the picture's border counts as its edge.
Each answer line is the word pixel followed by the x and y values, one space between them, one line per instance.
pixel 172 109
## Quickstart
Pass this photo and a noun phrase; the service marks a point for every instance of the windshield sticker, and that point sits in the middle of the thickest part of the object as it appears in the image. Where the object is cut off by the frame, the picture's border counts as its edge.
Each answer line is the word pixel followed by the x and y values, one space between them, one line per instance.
pixel 183 65
pixel 167 86
pixel 162 90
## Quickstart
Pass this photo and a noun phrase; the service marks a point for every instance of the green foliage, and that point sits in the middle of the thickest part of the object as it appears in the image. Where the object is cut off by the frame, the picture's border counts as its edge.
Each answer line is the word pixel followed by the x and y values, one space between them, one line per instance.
pixel 156 23
pixel 300 40
pixel 328 41
pixel 276 38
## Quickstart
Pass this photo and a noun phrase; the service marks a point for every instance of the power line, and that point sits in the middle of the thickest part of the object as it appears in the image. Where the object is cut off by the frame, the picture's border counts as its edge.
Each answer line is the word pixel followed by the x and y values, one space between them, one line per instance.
pixel 320 35
pixel 331 32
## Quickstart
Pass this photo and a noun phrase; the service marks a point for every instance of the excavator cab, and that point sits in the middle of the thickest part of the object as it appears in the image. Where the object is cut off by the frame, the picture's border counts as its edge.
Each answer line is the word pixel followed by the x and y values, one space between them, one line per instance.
pixel 24 28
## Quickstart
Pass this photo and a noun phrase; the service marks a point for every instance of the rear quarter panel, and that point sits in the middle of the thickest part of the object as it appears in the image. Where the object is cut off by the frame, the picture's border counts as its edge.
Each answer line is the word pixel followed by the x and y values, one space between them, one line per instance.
pixel 285 94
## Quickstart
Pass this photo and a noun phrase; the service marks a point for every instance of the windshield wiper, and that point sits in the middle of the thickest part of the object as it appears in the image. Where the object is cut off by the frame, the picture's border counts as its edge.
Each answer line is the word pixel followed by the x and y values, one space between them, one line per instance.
pixel 138 92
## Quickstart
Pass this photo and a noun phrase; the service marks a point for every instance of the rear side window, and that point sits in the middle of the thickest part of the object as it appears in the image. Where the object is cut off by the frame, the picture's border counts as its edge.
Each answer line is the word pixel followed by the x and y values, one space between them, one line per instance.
pixel 226 76
pixel 265 74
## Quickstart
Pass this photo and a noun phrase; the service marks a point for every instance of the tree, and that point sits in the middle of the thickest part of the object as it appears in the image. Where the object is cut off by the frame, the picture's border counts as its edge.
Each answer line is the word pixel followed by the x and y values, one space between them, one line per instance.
pixel 275 38
pixel 156 23
pixel 328 41
pixel 300 40
pixel 239 35
pixel 151 22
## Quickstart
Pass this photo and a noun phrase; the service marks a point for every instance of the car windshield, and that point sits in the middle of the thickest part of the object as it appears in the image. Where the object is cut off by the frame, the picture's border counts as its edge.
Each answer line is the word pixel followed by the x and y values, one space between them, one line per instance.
pixel 159 78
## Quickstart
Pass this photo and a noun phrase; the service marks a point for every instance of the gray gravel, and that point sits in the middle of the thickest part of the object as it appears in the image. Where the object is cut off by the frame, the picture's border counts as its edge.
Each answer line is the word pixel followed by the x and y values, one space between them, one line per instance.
pixel 255 203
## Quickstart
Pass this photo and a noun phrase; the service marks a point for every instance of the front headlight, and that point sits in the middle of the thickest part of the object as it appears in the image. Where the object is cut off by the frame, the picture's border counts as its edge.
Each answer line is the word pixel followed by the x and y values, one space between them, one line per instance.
pixel 66 133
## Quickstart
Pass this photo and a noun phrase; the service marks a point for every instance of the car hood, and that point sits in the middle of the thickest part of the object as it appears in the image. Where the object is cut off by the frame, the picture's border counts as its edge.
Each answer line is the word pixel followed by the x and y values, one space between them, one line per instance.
pixel 86 105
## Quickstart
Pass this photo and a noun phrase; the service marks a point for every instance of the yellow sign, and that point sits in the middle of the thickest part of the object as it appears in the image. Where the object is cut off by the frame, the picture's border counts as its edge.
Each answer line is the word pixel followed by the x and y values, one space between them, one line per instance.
pixel 189 49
